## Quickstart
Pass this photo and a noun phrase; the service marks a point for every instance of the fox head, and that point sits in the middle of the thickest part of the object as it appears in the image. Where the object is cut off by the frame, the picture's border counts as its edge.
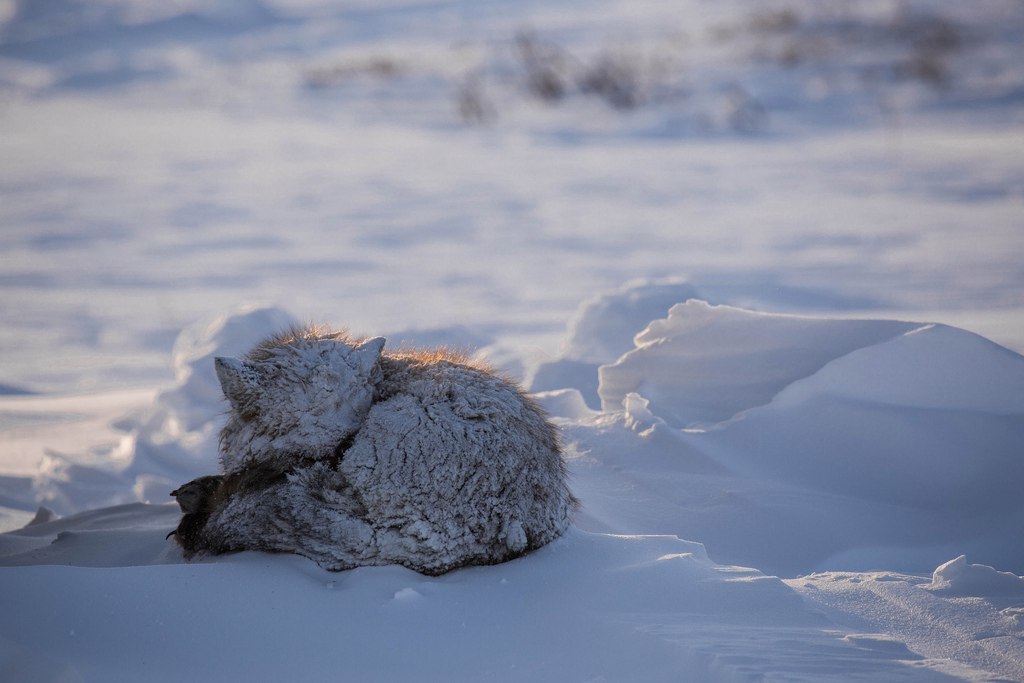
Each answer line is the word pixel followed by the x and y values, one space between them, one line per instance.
pixel 296 395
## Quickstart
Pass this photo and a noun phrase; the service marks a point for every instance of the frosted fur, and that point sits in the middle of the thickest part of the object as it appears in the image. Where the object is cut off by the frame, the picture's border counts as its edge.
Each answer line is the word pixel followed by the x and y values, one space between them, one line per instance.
pixel 352 457
pixel 300 397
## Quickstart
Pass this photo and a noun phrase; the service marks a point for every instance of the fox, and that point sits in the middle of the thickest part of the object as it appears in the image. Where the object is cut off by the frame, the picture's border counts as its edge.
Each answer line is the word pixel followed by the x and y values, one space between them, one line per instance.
pixel 351 455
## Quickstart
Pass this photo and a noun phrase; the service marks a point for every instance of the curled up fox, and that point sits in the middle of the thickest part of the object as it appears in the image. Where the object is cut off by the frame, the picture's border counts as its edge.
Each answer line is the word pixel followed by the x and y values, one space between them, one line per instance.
pixel 350 455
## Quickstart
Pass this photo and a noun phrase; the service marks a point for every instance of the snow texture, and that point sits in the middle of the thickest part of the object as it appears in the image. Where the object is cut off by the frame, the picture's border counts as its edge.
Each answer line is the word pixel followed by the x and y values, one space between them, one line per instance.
pixel 602 329
pixel 957 577
pixel 725 360
pixel 351 458
pixel 857 420
pixel 628 601
pixel 801 208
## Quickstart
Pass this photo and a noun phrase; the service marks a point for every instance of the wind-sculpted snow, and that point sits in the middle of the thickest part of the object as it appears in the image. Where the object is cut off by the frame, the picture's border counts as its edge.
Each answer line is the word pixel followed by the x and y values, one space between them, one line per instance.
pixel 894 412
pixel 968 612
pixel 604 326
pixel 959 578
pixel 602 329
pixel 180 435
pixel 588 606
pixel 792 482
pixel 817 432
pixel 704 364
pixel 932 419
pixel 172 439
pixel 931 367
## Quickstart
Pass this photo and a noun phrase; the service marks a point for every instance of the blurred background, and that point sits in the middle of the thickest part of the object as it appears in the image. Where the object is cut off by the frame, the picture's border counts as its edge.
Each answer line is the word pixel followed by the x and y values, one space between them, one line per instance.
pixel 470 172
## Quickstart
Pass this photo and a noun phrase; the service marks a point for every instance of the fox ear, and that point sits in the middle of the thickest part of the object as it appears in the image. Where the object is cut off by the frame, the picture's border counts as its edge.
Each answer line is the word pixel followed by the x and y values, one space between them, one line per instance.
pixel 368 353
pixel 239 380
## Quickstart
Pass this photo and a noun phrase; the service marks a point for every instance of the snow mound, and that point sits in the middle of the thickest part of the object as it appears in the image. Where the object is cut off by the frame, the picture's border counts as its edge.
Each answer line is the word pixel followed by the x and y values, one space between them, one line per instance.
pixel 932 367
pixel 565 403
pixel 932 418
pixel 566 373
pixel 230 335
pixel 602 329
pixel 175 440
pixel 956 577
pixel 653 607
pixel 704 364
pixel 822 432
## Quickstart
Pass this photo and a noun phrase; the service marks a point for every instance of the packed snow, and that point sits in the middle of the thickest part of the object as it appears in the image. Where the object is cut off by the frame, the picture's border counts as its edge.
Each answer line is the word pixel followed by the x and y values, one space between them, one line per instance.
pixel 761 265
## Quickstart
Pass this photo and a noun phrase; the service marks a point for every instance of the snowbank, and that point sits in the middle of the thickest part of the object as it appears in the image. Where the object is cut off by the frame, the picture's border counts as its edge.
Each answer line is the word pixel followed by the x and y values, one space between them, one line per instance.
pixel 704 364
pixel 932 419
pixel 817 434
pixel 179 437
pixel 829 429
pixel 586 607
pixel 602 329
pixel 155 448
pixel 840 444
pixel 956 577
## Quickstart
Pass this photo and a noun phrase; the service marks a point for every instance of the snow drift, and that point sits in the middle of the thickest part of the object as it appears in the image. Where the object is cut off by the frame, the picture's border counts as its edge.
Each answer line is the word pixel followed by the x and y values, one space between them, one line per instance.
pixel 809 444
pixel 587 606
pixel 805 438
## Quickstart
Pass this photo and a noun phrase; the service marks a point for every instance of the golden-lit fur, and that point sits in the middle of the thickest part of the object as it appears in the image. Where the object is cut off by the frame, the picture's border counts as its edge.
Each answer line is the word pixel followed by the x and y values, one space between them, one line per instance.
pixel 352 455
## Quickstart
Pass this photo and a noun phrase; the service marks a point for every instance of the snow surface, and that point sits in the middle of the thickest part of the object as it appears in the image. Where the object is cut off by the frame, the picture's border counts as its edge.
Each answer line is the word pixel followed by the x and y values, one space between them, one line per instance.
pixel 735 250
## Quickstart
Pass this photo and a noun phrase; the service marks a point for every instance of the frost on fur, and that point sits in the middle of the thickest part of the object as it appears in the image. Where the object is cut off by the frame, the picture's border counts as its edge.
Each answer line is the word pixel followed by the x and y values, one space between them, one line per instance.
pixel 351 456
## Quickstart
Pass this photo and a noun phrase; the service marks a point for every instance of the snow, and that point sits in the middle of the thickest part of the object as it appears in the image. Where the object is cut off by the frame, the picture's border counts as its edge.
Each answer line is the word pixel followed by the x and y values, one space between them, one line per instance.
pixel 956 577
pixel 761 265
pixel 724 360
pixel 647 607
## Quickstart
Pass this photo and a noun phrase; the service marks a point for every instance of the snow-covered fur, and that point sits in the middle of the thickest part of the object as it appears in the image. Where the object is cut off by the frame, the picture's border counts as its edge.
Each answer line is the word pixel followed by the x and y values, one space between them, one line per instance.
pixel 350 456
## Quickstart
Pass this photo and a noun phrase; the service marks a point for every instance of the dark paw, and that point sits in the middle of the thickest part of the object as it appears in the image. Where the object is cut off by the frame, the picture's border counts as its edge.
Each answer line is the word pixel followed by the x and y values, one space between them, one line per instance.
pixel 189 533
pixel 202 497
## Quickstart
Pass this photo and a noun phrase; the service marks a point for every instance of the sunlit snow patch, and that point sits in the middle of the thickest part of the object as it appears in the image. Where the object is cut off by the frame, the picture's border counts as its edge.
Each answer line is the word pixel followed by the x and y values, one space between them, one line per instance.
pixel 602 329
pixel 703 363
pixel 957 577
